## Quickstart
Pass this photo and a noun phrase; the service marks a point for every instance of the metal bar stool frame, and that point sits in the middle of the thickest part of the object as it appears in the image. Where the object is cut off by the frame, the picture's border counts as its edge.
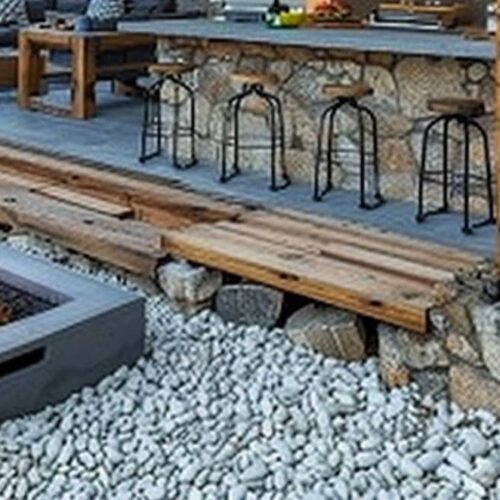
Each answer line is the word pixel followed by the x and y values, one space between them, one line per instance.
pixel 329 115
pixel 153 127
pixel 277 135
pixel 467 124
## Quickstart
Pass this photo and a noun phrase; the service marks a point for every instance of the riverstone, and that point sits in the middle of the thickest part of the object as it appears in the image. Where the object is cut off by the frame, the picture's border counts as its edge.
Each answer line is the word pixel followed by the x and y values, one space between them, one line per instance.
pixel 328 330
pixel 249 304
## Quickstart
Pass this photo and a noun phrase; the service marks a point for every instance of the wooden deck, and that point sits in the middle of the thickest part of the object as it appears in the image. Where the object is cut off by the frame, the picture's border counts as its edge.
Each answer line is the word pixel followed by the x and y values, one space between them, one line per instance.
pixel 135 222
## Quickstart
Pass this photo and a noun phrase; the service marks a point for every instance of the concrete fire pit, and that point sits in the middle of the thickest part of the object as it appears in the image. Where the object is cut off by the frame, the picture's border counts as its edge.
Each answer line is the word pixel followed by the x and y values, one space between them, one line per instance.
pixel 82 331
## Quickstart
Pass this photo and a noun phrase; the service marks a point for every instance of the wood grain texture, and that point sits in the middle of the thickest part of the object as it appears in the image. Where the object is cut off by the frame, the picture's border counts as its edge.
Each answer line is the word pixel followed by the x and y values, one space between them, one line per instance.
pixel 133 221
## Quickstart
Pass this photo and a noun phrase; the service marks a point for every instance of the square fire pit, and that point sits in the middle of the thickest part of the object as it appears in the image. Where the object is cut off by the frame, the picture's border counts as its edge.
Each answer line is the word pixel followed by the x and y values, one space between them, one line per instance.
pixel 65 332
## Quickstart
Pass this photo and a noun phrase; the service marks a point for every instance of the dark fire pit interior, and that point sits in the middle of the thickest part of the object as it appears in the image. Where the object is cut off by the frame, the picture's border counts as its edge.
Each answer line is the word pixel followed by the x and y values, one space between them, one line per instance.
pixel 17 304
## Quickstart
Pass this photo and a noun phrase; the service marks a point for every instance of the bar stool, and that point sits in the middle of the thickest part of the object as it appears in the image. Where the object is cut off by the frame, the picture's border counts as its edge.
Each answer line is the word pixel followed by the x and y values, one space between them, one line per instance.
pixel 342 96
pixel 255 84
pixel 153 125
pixel 464 112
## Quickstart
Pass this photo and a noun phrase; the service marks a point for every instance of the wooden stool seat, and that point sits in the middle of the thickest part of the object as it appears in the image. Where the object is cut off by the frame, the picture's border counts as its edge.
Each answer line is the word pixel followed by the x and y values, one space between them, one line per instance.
pixel 353 91
pixel 457 106
pixel 170 68
pixel 255 78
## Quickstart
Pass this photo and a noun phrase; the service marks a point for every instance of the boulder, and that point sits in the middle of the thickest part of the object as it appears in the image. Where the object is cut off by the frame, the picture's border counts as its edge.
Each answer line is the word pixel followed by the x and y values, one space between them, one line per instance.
pixel 249 304
pixel 328 330
pixel 416 351
pixel 473 388
pixel 393 369
pixel 487 324
pixel 185 283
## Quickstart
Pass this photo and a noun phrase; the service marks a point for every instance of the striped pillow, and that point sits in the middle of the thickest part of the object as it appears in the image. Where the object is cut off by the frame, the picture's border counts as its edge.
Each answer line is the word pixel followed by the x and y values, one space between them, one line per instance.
pixel 13 11
pixel 105 9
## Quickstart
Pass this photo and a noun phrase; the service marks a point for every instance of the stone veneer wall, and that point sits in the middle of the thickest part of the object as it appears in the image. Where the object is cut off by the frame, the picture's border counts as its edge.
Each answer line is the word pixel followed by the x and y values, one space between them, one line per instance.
pixel 401 84
pixel 461 352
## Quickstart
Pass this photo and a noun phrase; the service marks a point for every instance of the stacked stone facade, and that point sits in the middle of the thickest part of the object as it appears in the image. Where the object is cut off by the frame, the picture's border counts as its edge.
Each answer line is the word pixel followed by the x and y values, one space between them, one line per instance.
pixel 401 84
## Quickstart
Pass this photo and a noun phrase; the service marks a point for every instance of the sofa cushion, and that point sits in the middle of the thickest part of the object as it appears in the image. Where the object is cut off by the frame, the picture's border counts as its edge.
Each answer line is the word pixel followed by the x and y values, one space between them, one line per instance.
pixel 146 9
pixel 105 9
pixel 71 6
pixel 35 10
pixel 8 36
pixel 13 11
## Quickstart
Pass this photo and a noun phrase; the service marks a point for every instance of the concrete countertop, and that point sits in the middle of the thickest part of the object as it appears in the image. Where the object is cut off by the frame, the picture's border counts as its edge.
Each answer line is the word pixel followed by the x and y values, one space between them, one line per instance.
pixel 393 41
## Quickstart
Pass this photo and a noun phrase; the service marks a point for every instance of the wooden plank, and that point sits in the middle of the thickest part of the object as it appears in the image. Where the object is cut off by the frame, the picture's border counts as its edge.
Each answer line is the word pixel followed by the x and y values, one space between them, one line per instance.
pixel 91 202
pixel 319 278
pixel 353 254
pixel 390 244
pixel 158 200
pixel 25 182
pixel 128 244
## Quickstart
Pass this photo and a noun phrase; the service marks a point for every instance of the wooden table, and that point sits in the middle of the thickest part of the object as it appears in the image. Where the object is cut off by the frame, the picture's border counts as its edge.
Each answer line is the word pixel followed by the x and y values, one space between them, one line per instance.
pixel 84 48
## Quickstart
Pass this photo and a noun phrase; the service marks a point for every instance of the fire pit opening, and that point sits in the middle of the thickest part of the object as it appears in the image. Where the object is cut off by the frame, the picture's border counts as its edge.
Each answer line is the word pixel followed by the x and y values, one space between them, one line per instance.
pixel 17 303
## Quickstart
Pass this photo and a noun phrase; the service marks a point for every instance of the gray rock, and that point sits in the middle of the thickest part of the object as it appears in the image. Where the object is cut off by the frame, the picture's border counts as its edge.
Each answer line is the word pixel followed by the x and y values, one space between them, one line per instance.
pixel 249 304
pixel 487 323
pixel 184 283
pixel 417 352
pixel 328 330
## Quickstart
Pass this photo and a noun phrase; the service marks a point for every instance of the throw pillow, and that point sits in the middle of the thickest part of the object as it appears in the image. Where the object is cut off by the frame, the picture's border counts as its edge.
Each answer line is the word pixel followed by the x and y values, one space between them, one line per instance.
pixel 105 9
pixel 13 11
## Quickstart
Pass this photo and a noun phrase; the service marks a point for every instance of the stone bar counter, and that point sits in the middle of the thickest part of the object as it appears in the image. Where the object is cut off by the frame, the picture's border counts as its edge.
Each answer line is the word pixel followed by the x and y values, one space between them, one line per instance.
pixel 405 68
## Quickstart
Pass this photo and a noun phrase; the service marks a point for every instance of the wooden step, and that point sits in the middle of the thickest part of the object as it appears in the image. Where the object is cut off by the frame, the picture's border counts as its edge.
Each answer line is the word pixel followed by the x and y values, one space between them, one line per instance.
pixel 132 245
pixel 325 230
pixel 342 252
pixel 397 300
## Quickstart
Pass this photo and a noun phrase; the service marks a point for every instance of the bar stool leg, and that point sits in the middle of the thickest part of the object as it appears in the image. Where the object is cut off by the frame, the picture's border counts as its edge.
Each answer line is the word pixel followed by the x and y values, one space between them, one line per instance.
pixel 489 176
pixel 329 153
pixel 175 125
pixel 152 121
pixel 281 142
pixel 230 113
pixel 145 125
pixel 466 227
pixel 377 194
pixel 328 114
pixel 362 155
pixel 180 84
pixel 446 126
pixel 277 138
pixel 421 215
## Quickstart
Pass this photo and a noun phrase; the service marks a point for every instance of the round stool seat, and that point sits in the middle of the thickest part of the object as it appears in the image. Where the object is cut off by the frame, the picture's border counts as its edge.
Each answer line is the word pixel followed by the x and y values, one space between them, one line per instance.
pixel 265 79
pixel 457 106
pixel 352 91
pixel 170 68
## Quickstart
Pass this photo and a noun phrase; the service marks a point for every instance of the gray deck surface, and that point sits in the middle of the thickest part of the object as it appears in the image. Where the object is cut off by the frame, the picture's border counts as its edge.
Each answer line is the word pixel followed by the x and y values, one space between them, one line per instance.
pixel 112 138
pixel 363 40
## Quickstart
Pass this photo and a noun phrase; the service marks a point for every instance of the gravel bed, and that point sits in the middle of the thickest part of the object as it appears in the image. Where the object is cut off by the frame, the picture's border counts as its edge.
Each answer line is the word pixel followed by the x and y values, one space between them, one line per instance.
pixel 214 411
